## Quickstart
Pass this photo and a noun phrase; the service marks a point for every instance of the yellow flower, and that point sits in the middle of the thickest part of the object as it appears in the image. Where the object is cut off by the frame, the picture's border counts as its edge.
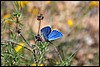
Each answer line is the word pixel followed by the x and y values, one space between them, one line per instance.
pixel 34 11
pixel 33 64
pixel 38 64
pixel 93 3
pixel 6 16
pixel 41 65
pixel 22 3
pixel 70 23
pixel 48 2
pixel 19 46
pixel 6 19
pixel 26 2
pixel 57 62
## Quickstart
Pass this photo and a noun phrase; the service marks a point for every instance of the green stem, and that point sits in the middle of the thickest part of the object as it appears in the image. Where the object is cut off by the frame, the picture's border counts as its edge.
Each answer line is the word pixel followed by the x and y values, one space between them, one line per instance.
pixel 70 58
pixel 58 53
pixel 25 40
pixel 34 57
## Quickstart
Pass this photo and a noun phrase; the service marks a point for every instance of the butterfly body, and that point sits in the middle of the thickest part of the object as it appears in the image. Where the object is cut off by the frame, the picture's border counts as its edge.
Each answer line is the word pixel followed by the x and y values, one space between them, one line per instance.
pixel 50 35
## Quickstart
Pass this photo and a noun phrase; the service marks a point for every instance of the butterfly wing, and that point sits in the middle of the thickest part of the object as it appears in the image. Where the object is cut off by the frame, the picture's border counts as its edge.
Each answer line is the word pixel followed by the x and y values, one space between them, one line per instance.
pixel 54 35
pixel 46 31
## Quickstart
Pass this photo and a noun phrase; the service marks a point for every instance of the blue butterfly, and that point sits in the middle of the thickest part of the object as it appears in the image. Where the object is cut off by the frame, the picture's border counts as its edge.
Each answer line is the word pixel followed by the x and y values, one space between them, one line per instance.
pixel 50 35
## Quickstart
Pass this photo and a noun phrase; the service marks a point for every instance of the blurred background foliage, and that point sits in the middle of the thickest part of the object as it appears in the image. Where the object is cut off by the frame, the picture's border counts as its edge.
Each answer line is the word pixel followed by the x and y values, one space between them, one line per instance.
pixel 77 20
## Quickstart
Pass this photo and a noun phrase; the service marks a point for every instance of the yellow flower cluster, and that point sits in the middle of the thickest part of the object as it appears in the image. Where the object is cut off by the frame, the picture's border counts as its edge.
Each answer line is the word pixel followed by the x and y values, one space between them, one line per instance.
pixel 22 3
pixel 93 3
pixel 19 46
pixel 70 23
pixel 38 65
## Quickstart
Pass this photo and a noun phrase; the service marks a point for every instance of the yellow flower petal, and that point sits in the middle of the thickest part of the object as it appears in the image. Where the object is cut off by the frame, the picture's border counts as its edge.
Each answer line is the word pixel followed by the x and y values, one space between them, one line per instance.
pixel 70 23
pixel 57 62
pixel 35 11
pixel 26 2
pixel 48 2
pixel 41 65
pixel 21 4
pixel 6 16
pixel 33 64
pixel 6 19
pixel 19 46
pixel 93 3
